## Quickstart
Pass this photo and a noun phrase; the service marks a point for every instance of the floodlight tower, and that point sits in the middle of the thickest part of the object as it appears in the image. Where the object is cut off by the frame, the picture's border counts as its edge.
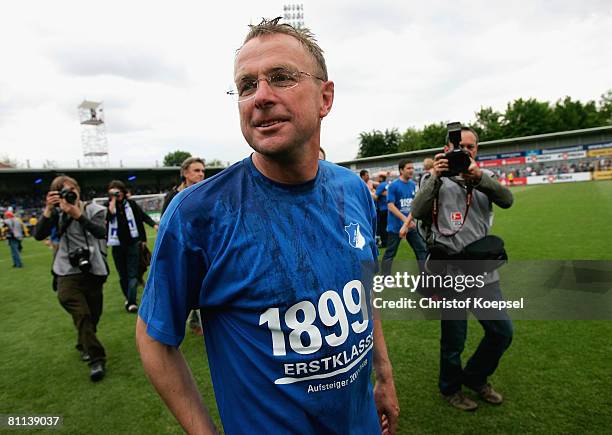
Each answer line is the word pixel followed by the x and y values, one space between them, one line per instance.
pixel 93 134
pixel 294 14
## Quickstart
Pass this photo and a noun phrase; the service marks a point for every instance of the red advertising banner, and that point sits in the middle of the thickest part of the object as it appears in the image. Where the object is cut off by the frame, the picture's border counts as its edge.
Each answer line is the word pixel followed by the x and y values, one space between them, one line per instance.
pixel 513 161
pixel 502 162
pixel 489 163
pixel 516 181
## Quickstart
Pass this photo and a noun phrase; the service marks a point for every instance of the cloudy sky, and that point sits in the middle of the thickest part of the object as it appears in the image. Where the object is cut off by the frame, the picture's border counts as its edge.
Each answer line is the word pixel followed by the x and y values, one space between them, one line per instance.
pixel 162 68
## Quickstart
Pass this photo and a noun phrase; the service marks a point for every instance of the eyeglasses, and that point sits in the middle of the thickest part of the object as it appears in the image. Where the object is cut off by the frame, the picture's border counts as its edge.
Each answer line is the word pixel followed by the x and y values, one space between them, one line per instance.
pixel 278 79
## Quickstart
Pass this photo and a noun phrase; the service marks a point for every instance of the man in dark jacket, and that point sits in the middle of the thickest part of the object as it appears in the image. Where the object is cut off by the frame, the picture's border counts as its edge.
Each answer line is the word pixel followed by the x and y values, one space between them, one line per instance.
pixel 192 172
pixel 126 235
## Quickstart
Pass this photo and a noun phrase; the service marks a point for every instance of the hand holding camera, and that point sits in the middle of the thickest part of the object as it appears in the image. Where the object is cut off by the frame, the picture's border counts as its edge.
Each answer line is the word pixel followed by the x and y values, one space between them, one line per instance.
pixel 70 209
pixel 65 200
pixel 457 160
pixel 473 174
pixel 113 197
pixel 52 200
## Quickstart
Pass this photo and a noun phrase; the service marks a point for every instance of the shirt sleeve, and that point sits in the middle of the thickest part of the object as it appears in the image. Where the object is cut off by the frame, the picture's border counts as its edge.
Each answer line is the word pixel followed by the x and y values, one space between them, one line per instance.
pixel 391 194
pixel 380 189
pixel 178 268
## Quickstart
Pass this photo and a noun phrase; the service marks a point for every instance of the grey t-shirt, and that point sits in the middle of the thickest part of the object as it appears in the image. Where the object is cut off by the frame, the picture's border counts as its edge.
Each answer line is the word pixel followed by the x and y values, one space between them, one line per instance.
pixel 76 236
pixel 15 227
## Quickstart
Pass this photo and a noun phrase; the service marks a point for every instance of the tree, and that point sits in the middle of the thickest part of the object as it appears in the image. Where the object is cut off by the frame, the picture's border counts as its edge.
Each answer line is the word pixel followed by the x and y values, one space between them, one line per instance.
pixel 573 115
pixel 528 117
pixel 176 158
pixel 521 118
pixel 411 140
pixel 376 143
pixel 489 124
pixel 605 108
pixel 392 140
pixel 434 135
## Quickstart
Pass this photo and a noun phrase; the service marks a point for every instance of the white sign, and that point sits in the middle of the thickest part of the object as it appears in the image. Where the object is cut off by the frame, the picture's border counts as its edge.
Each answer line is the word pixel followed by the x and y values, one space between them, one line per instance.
pixel 561 178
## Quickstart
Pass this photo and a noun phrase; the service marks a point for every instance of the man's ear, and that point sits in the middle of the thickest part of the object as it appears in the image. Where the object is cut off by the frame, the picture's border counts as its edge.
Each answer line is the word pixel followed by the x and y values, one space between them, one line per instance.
pixel 327 98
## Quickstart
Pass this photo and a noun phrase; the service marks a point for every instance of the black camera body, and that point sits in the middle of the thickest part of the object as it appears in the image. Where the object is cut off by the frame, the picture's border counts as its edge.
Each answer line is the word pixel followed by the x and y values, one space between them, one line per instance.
pixel 459 160
pixel 68 195
pixel 80 258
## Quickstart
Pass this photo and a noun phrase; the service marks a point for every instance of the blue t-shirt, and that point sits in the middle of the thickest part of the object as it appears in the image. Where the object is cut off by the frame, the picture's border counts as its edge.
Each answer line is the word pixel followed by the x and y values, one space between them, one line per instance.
pixel 401 194
pixel 277 271
pixel 381 202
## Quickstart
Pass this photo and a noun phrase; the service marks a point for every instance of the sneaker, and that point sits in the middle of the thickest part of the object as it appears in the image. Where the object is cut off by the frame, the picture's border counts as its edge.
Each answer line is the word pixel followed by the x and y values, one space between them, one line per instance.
pixel 489 395
pixel 459 401
pixel 97 371
pixel 132 308
pixel 84 356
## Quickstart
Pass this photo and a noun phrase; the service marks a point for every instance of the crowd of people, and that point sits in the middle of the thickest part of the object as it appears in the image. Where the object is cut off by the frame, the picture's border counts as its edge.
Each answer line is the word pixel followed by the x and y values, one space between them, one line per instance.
pixel 570 167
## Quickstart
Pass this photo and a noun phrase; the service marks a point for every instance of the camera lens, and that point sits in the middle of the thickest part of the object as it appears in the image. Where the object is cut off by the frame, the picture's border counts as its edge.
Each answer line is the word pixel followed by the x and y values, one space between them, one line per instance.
pixel 69 196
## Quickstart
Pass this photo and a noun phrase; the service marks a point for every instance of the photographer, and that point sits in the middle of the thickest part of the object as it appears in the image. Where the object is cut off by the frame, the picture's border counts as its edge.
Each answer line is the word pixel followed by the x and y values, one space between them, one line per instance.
pixel 79 265
pixel 126 235
pixel 455 208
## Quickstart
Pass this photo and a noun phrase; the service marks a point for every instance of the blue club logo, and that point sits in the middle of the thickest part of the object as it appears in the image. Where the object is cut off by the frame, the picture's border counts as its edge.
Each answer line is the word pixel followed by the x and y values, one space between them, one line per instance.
pixel 356 239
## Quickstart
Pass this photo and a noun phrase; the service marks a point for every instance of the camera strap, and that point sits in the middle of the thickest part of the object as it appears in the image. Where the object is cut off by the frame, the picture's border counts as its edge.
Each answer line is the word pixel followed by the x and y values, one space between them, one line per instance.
pixel 64 229
pixel 435 209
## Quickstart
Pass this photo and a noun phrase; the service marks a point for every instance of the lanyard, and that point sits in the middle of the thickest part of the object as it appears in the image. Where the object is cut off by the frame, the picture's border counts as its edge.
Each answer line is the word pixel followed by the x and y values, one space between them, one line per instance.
pixel 435 209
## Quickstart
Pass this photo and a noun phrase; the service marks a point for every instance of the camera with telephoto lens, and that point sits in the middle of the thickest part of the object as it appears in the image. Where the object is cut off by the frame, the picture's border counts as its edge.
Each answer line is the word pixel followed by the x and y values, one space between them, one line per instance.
pixel 80 258
pixel 68 195
pixel 458 159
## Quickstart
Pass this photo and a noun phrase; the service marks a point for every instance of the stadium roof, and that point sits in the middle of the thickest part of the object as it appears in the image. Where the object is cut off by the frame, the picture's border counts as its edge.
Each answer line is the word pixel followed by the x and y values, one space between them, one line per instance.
pixel 490 143
pixel 174 169
pixel 89 105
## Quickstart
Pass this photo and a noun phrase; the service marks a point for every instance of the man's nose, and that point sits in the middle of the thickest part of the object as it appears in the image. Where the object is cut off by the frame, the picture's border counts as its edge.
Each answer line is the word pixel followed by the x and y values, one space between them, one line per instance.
pixel 264 94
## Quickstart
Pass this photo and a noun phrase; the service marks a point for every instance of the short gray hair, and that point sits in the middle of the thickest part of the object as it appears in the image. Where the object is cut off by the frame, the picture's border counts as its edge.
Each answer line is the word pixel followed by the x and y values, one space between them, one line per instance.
pixel 302 34
pixel 464 128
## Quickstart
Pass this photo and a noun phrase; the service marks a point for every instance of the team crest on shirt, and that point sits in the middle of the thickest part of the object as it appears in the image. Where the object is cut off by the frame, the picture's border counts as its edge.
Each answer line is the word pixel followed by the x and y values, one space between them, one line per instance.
pixel 356 239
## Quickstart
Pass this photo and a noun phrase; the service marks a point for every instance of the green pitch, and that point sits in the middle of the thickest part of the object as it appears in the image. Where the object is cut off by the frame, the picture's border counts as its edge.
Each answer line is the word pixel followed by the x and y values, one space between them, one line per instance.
pixel 555 376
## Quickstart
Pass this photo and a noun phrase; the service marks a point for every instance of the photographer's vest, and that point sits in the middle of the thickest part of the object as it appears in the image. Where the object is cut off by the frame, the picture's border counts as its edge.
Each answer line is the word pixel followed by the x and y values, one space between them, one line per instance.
pixel 452 207
pixel 77 238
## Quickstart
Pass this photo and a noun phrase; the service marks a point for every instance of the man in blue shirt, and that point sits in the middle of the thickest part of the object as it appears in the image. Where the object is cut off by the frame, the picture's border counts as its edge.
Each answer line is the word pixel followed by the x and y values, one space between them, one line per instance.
pixel 400 224
pixel 272 250
pixel 381 205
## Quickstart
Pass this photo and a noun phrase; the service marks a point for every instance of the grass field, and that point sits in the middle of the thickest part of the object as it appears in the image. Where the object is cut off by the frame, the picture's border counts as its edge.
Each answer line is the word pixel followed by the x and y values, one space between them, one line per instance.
pixel 556 376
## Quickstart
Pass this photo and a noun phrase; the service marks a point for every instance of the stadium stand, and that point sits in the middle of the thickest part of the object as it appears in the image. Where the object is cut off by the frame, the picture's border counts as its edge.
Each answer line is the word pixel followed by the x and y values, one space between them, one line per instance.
pixel 577 155
pixel 24 190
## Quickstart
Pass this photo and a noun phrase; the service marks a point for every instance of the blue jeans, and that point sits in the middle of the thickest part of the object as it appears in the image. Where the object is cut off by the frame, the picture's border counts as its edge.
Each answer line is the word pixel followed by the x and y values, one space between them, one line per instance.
pixel 126 262
pixel 497 338
pixel 14 246
pixel 415 241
